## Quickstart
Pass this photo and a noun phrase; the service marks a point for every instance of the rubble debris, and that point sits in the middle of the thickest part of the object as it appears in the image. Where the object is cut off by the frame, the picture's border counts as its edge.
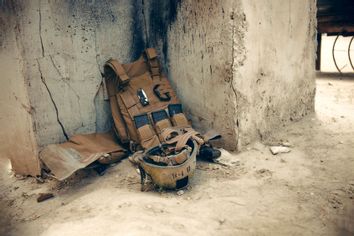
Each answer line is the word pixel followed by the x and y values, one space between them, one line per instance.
pixel 44 196
pixel 286 144
pixel 20 177
pixel 227 159
pixel 222 221
pixel 180 192
pixel 39 180
pixel 279 149
pixel 263 173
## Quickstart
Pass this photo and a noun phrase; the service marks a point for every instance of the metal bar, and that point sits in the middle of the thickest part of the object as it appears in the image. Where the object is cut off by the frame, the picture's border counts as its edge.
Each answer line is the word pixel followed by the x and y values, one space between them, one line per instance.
pixel 350 59
pixel 334 58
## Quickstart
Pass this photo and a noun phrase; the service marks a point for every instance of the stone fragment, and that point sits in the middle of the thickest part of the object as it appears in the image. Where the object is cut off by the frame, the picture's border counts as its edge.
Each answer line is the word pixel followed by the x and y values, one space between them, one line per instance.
pixel 279 149
pixel 44 196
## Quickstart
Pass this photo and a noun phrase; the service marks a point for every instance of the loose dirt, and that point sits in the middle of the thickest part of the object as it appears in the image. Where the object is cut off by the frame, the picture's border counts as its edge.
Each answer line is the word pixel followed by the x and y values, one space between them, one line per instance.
pixel 309 191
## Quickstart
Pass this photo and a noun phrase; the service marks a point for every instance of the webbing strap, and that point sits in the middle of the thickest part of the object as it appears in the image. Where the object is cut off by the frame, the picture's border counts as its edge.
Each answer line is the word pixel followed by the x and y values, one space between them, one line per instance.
pixel 183 139
pixel 119 70
pixel 168 134
pixel 112 84
pixel 153 62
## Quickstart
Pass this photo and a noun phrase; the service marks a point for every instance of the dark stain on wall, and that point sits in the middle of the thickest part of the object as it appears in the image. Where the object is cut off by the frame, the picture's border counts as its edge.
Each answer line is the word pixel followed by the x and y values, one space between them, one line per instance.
pixel 138 29
pixel 161 14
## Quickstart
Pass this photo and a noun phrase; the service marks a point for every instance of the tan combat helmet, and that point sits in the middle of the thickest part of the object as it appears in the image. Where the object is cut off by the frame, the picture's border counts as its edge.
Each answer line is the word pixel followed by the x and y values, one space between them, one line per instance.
pixel 172 171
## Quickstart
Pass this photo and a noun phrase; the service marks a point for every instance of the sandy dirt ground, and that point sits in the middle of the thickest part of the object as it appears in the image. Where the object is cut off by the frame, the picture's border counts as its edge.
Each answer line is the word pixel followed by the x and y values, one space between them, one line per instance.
pixel 309 191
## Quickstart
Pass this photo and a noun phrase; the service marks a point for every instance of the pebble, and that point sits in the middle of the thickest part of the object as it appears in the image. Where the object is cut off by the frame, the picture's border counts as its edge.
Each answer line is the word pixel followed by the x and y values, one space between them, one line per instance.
pixel 286 144
pixel 180 192
pixel 279 149
pixel 222 221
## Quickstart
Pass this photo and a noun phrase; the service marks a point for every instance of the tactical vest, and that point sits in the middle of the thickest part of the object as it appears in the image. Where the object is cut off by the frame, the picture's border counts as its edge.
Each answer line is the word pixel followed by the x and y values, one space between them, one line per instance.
pixel 145 108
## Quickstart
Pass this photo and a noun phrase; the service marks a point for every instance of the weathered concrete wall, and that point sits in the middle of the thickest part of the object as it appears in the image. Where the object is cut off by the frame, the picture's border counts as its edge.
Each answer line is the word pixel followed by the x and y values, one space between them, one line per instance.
pixel 200 60
pixel 64 45
pixel 243 68
pixel 52 53
pixel 17 140
pixel 276 84
pixel 194 39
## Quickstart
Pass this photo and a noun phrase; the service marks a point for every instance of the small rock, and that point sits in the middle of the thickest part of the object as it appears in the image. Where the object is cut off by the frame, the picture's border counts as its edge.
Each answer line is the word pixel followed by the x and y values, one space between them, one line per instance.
pixel 20 177
pixel 222 221
pixel 180 192
pixel 279 149
pixel 286 144
pixel 330 84
pixel 341 142
pixel 148 206
pixel 215 168
pixel 39 180
pixel 44 196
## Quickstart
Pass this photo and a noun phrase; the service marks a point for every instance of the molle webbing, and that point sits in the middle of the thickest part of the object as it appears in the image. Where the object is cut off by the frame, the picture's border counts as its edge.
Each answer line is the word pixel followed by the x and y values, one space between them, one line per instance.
pixel 139 92
pixel 154 64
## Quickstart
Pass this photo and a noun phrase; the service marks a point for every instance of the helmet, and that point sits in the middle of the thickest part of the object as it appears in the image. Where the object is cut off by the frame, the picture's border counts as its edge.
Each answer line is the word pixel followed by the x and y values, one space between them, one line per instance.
pixel 173 171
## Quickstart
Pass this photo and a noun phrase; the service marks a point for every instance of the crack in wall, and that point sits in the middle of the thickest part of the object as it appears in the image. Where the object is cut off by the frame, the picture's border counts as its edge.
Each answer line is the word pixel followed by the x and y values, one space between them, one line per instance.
pixel 232 85
pixel 63 79
pixel 52 99
pixel 40 28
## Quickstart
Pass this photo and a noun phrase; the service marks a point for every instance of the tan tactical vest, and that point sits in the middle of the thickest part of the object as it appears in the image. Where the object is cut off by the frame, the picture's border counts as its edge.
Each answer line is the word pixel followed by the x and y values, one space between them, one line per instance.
pixel 144 106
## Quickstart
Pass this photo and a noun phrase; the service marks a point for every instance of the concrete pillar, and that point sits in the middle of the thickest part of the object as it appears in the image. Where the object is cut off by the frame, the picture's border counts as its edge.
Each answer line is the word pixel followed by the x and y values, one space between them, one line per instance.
pixel 244 68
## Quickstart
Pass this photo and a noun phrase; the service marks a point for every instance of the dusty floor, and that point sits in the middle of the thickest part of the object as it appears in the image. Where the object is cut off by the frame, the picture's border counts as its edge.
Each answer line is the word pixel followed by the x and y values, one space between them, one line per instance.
pixel 309 191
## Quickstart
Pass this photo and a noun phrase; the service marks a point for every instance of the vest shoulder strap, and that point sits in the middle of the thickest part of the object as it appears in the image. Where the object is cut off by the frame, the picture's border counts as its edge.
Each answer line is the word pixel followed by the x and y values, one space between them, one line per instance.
pixel 122 76
pixel 153 62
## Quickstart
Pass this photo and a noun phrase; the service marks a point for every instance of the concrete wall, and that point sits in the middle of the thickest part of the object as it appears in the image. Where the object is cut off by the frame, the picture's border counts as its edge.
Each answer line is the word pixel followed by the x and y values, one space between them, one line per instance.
pixel 200 61
pixel 243 68
pixel 276 84
pixel 64 45
pixel 17 140
pixel 53 52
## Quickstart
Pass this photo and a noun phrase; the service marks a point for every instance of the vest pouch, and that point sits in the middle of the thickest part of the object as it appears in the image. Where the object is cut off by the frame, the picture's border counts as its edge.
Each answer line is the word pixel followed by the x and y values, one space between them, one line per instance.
pixel 146 134
pixel 161 120
pixel 180 120
pixel 147 137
